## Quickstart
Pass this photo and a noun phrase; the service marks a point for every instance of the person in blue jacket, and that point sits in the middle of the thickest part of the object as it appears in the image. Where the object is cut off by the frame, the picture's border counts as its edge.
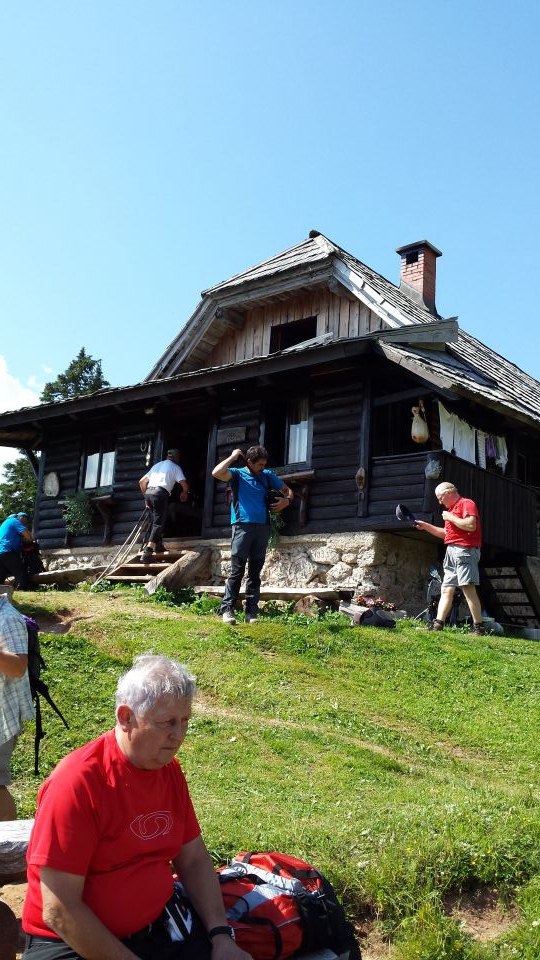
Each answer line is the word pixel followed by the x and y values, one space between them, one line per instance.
pixel 252 487
pixel 12 532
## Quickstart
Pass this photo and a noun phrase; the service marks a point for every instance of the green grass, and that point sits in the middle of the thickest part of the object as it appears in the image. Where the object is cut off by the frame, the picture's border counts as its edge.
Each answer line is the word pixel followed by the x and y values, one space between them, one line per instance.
pixel 403 764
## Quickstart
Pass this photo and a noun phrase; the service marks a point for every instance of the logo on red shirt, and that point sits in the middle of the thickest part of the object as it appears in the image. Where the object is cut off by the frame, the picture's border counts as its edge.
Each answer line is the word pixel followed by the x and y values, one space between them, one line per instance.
pixel 148 826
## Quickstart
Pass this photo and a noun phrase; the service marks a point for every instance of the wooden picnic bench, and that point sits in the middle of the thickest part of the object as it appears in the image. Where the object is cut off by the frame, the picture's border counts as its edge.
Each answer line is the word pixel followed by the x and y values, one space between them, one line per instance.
pixel 14 837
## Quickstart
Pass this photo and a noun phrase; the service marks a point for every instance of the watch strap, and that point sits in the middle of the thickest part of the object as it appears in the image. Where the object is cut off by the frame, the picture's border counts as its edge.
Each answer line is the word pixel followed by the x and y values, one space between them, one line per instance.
pixel 218 931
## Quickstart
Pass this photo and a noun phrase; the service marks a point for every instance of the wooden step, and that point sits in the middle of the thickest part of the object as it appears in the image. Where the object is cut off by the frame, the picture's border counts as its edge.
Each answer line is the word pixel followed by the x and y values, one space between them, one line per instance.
pixel 130 579
pixel 506 595
pixel 278 593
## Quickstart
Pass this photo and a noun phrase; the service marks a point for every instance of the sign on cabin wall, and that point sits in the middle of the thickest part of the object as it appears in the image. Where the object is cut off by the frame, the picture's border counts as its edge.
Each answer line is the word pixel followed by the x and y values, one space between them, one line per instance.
pixel 231 435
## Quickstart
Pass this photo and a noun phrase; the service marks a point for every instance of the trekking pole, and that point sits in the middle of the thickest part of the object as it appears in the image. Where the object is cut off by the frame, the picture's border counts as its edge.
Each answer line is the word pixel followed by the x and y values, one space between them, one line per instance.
pixel 126 549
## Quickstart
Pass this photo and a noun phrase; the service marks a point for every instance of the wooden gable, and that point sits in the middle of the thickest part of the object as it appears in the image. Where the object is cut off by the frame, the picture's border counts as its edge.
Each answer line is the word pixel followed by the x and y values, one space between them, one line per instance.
pixel 340 316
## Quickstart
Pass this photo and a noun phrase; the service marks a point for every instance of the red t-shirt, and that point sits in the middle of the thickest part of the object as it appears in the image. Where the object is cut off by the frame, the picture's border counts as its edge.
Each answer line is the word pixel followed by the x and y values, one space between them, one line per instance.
pixel 100 817
pixel 463 538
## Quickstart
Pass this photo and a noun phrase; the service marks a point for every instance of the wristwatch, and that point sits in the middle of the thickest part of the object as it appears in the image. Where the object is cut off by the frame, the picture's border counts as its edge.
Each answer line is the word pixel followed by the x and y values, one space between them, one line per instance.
pixel 218 931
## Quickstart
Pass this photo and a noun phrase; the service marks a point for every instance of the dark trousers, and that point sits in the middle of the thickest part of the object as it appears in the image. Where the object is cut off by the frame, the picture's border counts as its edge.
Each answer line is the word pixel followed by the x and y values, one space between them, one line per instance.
pixel 158 500
pixel 12 565
pixel 249 543
pixel 153 944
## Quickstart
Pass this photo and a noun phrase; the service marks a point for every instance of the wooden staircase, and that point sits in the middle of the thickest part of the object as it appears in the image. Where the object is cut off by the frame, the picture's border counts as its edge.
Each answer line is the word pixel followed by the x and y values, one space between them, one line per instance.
pixel 510 595
pixel 135 571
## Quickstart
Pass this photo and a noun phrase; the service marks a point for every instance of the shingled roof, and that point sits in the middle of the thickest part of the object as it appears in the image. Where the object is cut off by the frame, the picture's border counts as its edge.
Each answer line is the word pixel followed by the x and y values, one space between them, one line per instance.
pixel 460 363
pixel 466 365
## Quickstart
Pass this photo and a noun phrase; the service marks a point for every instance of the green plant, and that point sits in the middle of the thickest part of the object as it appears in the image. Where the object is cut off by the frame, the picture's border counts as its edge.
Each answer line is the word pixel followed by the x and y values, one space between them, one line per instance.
pixel 276 525
pixel 102 586
pixel 77 513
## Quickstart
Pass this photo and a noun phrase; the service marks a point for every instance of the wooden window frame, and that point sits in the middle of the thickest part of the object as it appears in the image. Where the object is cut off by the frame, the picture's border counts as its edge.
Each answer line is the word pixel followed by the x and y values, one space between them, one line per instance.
pixel 105 446
pixel 284 431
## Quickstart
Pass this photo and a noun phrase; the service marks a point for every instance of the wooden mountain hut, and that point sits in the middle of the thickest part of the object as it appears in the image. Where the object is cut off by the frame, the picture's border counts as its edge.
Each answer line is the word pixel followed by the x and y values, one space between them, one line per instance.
pixel 321 359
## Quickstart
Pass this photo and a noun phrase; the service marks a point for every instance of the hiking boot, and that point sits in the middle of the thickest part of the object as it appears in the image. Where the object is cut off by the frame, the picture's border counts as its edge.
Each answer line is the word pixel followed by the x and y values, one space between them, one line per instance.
pixel 436 625
pixel 229 617
pixel 251 618
pixel 478 629
pixel 147 555
pixel 159 548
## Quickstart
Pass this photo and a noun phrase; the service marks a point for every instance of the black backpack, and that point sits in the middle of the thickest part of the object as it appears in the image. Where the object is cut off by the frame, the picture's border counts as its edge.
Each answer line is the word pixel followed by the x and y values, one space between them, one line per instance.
pixel 31 557
pixel 38 687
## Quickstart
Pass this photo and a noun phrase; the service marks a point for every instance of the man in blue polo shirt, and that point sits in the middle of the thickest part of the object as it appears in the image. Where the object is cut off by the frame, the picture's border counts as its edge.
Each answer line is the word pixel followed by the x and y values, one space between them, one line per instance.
pixel 12 532
pixel 252 485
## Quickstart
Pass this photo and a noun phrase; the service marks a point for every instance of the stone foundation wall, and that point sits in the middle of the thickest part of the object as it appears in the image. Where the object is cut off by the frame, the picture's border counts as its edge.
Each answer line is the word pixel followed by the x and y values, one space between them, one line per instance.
pixel 77 557
pixel 375 564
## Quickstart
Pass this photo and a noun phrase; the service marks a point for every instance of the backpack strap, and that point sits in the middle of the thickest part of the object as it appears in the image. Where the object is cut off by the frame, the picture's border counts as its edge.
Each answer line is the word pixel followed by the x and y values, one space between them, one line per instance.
pixel 234 484
pixel 266 484
pixel 38 735
pixel 42 690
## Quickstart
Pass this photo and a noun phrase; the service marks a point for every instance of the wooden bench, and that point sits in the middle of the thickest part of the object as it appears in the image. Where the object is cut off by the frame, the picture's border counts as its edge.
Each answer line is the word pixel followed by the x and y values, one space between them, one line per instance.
pixel 14 837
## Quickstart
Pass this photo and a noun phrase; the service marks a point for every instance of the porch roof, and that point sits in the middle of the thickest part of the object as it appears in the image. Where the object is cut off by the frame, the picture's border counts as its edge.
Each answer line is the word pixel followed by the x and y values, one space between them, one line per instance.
pixel 442 356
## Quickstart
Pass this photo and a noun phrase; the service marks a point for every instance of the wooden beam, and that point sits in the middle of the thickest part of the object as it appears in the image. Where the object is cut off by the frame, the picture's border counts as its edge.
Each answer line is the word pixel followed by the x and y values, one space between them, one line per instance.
pixel 335 286
pixel 33 460
pixel 230 317
pixel 395 397
pixel 363 472
pixel 208 506
pixel 436 332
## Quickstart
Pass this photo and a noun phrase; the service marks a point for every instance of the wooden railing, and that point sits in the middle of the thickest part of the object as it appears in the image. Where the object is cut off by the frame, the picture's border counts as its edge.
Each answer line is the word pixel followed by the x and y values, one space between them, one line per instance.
pixel 508 509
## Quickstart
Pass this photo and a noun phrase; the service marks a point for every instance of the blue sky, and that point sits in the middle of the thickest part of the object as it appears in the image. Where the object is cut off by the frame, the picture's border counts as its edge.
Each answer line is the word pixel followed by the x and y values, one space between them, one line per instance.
pixel 150 150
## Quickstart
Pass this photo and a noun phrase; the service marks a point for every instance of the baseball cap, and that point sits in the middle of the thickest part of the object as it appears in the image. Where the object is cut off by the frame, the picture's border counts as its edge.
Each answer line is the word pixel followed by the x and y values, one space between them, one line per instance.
pixel 22 515
pixel 173 453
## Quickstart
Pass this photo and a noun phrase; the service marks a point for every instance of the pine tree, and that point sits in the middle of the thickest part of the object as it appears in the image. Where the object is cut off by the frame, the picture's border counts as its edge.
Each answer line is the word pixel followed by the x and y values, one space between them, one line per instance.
pixel 83 375
pixel 18 488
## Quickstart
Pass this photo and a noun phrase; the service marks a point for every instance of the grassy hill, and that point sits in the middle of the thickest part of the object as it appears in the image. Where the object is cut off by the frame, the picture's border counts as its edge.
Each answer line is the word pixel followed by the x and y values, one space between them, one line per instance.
pixel 403 764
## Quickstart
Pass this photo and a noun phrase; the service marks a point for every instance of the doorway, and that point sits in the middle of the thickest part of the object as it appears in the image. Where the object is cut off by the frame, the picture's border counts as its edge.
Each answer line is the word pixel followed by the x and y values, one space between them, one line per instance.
pixel 184 520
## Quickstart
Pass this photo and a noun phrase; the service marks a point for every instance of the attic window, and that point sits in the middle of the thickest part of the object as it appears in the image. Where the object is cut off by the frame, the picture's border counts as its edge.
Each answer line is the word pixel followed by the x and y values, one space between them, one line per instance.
pixel 411 257
pixel 289 334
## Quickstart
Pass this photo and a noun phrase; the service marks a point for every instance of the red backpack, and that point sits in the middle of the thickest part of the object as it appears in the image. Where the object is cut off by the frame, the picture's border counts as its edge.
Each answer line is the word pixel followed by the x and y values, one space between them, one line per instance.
pixel 279 905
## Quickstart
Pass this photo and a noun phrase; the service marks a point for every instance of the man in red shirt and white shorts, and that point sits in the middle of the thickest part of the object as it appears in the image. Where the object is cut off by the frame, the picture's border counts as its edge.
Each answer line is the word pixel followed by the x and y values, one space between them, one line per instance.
pixel 462 535
pixel 111 819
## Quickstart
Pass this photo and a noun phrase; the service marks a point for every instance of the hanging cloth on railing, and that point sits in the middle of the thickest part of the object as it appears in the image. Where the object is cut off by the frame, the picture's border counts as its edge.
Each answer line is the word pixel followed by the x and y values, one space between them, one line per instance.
pixel 502 453
pixel 481 438
pixel 465 441
pixel 448 422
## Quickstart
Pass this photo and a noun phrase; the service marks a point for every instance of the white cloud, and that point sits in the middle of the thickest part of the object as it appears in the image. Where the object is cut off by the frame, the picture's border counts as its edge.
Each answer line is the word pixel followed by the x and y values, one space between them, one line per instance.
pixel 47 370
pixel 12 396
pixel 35 384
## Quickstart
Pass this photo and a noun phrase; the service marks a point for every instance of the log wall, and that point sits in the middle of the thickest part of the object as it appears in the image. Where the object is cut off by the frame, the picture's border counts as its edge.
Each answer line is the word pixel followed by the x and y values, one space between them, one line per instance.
pixel 336 415
pixel 337 410
pixel 65 457
pixel 244 413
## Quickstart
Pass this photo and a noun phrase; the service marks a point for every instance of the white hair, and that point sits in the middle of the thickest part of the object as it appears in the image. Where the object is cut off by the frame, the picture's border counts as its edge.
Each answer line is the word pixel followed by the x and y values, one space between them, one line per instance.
pixel 150 678
pixel 445 487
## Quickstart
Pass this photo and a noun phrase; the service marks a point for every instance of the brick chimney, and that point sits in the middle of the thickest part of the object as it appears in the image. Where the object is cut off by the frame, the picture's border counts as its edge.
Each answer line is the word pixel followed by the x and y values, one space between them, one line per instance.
pixel 418 272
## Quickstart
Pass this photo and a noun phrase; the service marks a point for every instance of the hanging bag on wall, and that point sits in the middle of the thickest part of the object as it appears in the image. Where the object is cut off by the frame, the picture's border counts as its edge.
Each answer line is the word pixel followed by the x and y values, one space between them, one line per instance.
pixel 419 428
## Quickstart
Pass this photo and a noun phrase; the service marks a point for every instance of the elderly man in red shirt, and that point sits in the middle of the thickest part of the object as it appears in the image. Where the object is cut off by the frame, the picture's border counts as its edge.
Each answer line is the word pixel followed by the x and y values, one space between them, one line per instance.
pixel 111 819
pixel 462 535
